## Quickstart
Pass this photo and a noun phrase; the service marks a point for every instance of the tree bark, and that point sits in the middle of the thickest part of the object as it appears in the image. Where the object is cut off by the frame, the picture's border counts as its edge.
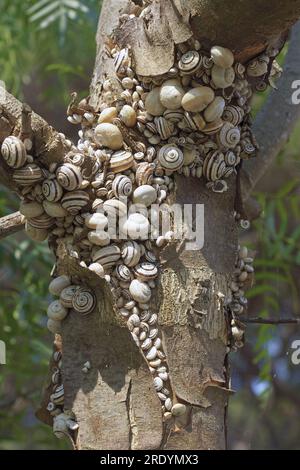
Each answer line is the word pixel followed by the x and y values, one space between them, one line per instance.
pixel 115 404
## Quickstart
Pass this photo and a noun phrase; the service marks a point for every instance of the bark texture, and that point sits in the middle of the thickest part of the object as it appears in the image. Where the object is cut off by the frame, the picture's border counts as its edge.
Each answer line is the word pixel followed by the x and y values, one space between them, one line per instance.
pixel 10 224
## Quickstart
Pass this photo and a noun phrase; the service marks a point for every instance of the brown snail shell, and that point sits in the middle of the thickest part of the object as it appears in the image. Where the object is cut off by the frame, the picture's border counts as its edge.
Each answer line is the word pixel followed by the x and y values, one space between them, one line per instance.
pixel 52 190
pixel 28 175
pixel 84 300
pixel 74 201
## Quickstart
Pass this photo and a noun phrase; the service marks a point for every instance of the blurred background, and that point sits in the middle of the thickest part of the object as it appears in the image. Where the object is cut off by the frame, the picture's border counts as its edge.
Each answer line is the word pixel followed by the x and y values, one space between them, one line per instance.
pixel 47 50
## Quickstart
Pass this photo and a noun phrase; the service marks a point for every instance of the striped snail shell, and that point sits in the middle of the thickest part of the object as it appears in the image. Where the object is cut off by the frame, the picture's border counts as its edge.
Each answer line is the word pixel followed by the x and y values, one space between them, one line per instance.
pixel 58 284
pixel 107 256
pixel 121 61
pixel 190 62
pixel 74 201
pixel 145 271
pixel 170 157
pixel 214 166
pixel 229 136
pixel 67 295
pixel 173 115
pixel 222 78
pixel 69 176
pixel 122 186
pixel 84 300
pixel 52 190
pixel 231 158
pixel 114 208
pixel 222 57
pixel 28 175
pixel 14 152
pixel 233 114
pixel 140 291
pixel 43 221
pixel 121 161
pixel 144 173
pixel 123 273
pixel 257 68
pixel 213 127
pixel 131 253
pixel 164 128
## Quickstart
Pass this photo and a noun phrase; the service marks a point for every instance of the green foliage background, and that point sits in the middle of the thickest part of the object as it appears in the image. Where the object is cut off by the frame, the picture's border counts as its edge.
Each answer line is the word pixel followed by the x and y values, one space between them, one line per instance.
pixel 47 49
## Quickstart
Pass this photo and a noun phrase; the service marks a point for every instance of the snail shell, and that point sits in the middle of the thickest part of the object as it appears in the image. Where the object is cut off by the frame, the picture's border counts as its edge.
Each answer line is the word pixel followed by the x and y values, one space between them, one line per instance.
pixel 231 158
pixel 171 94
pixel 28 175
pixel 136 227
pixel 54 209
pixel 96 221
pixel 197 99
pixel 107 256
pixel 109 135
pixel 153 104
pixel 147 343
pixel 131 253
pixel 69 176
pixel 122 186
pixel 215 110
pixel 123 273
pixel 54 326
pixel 43 221
pixel 144 173
pixel 257 68
pixel 233 114
pixel 229 136
pixel 145 271
pixel 114 208
pixel 67 295
pixel 222 78
pixel 190 62
pixel 222 57
pixel 31 209
pixel 140 291
pixel 14 152
pixel 108 115
pixel 58 284
pixel 121 161
pixel 151 354
pixel 158 384
pixel 145 195
pixel 84 300
pixel 164 128
pixel 38 235
pixel 128 116
pixel 175 115
pixel 213 127
pixel 56 311
pixel 52 190
pixel 194 121
pixel 74 201
pixel 214 166
pixel 179 409
pixel 170 157
pixel 121 61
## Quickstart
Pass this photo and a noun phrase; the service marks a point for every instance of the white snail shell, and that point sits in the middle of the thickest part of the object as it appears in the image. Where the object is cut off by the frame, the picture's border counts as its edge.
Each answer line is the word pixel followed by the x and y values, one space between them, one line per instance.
pixel 145 271
pixel 122 186
pixel 58 284
pixel 131 253
pixel 178 409
pixel 84 301
pixel 197 99
pixel 153 104
pixel 69 176
pixel 108 114
pixel 99 237
pixel 171 94
pixel 14 152
pixel 140 291
pixel 222 78
pixel 136 227
pixel 215 109
pixel 145 195
pixel 56 311
pixel 28 175
pixel 170 157
pixel 52 190
pixel 233 114
pixel 128 116
pixel 114 208
pixel 190 62
pixel 109 135
pixel 67 295
pixel 74 201
pixel 96 221
pixel 222 57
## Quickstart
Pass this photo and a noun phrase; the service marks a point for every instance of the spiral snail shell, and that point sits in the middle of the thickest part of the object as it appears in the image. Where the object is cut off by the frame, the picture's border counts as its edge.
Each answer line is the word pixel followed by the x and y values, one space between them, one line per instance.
pixel 84 301
pixel 215 109
pixel 123 273
pixel 74 201
pixel 28 175
pixel 56 311
pixel 164 127
pixel 170 157
pixel 52 190
pixel 122 186
pixel 14 152
pixel 233 114
pixel 121 161
pixel 69 176
pixel 43 221
pixel 222 78
pixel 222 57
pixel 144 173
pixel 107 256
pixel 214 166
pixel 140 291
pixel 145 271
pixel 229 136
pixel 131 253
pixel 197 99
pixel 189 62
pixel 257 68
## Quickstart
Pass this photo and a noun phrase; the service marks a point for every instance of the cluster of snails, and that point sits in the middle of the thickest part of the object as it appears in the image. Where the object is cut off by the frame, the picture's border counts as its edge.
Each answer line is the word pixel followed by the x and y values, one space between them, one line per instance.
pixel 79 298
pixel 243 277
pixel 63 420
pixel 97 203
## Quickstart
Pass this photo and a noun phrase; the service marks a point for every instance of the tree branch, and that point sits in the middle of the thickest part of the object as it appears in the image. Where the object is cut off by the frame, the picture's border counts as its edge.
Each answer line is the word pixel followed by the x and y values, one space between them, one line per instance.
pixel 276 120
pixel 11 224
pixel 270 321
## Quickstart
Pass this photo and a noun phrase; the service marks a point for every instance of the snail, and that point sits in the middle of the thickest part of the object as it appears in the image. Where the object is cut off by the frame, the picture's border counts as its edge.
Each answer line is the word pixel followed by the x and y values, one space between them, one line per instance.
pixel 69 177
pixel 170 157
pixel 84 301
pixel 14 152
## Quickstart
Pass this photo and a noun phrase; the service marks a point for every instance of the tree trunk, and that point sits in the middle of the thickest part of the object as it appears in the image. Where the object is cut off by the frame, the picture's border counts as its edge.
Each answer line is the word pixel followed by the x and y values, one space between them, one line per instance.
pixel 116 405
